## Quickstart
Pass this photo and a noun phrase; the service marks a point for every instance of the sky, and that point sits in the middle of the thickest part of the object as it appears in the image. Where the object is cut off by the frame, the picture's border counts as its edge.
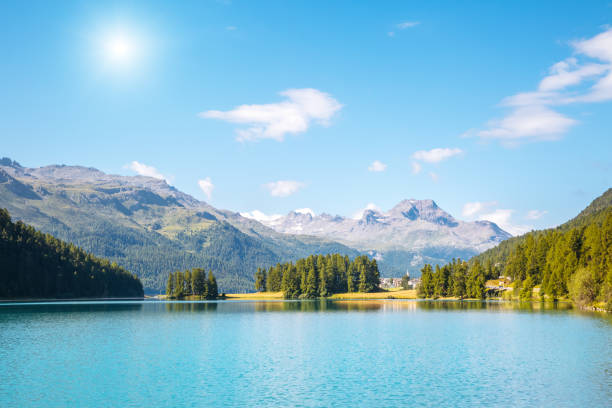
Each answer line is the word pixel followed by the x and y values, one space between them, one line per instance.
pixel 495 110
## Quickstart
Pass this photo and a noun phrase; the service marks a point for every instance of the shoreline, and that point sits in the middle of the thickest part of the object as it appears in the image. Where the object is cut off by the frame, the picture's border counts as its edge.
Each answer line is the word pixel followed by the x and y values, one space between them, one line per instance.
pixel 54 300
pixel 278 296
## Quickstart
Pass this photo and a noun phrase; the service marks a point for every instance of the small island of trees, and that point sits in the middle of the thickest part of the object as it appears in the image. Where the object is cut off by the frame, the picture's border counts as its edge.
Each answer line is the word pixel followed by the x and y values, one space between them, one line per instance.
pixel 192 283
pixel 319 276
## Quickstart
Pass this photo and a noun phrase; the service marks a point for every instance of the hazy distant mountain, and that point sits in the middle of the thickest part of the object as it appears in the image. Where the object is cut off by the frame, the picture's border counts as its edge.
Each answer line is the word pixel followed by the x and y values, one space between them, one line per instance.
pixel 415 230
pixel 146 225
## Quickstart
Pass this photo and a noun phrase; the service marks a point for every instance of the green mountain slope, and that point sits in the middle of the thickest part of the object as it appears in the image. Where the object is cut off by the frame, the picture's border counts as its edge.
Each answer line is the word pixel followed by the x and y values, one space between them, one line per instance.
pixel 147 226
pixel 573 260
pixel 595 212
pixel 37 265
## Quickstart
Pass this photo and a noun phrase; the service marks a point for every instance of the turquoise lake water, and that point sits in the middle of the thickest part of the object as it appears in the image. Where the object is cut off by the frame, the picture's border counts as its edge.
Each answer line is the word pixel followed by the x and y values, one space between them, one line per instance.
pixel 317 353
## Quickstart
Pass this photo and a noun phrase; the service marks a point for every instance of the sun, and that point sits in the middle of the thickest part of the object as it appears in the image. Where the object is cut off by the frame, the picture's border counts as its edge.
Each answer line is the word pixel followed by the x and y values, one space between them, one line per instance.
pixel 119 48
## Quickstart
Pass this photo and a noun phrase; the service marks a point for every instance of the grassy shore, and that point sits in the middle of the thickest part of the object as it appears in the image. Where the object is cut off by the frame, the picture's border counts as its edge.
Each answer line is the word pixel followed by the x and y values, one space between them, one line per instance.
pixel 254 296
pixel 392 294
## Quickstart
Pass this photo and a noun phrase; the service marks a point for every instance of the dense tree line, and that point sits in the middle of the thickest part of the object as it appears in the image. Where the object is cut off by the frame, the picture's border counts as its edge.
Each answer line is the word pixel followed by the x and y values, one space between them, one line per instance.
pixel 576 262
pixel 232 254
pixel 320 276
pixel 38 265
pixel 192 283
pixel 457 279
pixel 573 260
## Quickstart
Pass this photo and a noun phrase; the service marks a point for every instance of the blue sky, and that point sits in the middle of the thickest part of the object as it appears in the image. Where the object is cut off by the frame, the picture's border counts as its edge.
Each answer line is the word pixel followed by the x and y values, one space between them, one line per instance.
pixel 497 110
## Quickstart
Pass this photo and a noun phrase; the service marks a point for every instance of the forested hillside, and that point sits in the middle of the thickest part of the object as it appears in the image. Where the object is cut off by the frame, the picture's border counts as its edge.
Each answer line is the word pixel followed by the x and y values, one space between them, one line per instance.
pixel 320 276
pixel 37 265
pixel 574 259
pixel 147 226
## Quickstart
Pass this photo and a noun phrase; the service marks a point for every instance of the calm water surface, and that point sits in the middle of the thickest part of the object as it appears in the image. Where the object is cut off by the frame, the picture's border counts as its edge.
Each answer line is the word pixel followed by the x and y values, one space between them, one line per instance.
pixel 319 353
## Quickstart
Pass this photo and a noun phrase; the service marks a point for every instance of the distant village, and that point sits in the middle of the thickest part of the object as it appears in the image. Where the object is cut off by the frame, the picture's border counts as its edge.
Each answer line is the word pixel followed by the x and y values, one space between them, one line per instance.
pixel 405 282
pixel 503 283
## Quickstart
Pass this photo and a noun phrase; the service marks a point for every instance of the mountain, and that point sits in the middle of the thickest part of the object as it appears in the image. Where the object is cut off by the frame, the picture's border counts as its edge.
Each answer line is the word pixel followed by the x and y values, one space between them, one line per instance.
pixel 410 234
pixel 151 228
pixel 148 226
pixel 37 265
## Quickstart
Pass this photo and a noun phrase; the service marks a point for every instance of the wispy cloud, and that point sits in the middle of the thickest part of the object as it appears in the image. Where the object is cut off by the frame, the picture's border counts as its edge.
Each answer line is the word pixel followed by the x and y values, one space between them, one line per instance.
pixel 402 26
pixel 305 210
pixel 206 186
pixel 485 211
pixel 274 121
pixel 377 166
pixel 476 207
pixel 436 155
pixel 407 24
pixel 585 77
pixel 370 206
pixel 434 176
pixel 416 167
pixel 231 28
pixel 283 188
pixel 261 217
pixel 529 122
pixel 145 170
pixel 535 214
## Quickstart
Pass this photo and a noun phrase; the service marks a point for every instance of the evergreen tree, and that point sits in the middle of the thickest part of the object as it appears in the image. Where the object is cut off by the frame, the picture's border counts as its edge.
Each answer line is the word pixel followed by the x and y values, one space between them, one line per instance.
pixel 213 290
pixel 426 288
pixel 170 285
pixel 310 291
pixel 199 281
pixel 260 280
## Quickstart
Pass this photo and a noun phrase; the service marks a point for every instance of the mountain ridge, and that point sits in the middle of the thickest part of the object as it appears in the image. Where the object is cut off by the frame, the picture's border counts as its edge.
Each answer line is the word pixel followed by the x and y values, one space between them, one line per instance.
pixel 410 224
pixel 152 228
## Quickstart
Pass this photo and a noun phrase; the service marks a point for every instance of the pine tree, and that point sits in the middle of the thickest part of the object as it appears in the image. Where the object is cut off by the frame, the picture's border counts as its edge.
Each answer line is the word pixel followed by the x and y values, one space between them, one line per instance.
pixel 213 290
pixel 170 285
pixel 260 280
pixel 310 291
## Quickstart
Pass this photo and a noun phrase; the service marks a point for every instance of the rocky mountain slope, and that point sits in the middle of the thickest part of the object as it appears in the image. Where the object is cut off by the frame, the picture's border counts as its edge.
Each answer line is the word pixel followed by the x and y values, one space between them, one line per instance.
pixel 412 232
pixel 151 228
pixel 146 225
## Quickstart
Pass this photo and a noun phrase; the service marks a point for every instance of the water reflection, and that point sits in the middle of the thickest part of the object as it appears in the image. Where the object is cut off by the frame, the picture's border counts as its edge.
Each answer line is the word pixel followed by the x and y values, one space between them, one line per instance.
pixel 70 307
pixel 307 306
pixel 193 307
pixel 370 305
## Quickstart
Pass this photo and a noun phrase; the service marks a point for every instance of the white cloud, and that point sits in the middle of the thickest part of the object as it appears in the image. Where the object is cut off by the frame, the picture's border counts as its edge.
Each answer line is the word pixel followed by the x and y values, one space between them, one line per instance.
pixel 283 188
pixel 370 206
pixel 275 120
pixel 206 186
pixel 377 166
pixel 562 75
pixel 536 214
pixel 144 170
pixel 261 217
pixel 532 118
pixel 407 24
pixel 416 167
pixel 434 176
pixel 484 211
pixel 473 208
pixel 529 122
pixel 305 211
pixel 502 217
pixel 231 28
pixel 403 26
pixel 436 155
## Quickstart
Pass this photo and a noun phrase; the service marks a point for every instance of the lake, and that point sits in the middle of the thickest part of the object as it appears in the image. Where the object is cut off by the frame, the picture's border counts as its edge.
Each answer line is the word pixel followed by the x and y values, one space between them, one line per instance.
pixel 309 353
